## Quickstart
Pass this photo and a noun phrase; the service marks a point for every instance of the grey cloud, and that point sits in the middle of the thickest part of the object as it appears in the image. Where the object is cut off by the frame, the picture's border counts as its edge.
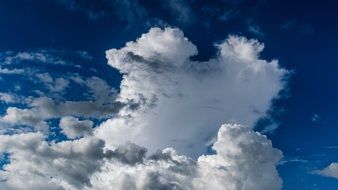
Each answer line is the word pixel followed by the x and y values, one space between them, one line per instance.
pixel 102 105
pixel 54 85
pixel 36 164
pixel 75 128
pixel 44 108
pixel 243 160
pixel 129 153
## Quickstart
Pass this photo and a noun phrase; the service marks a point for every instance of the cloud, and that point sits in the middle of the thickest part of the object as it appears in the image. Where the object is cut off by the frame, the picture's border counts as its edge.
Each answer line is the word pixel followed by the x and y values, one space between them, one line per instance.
pixel 46 56
pixel 11 71
pixel 167 113
pixel 124 10
pixel 182 102
pixel 180 10
pixel 54 85
pixel 329 171
pixel 74 128
pixel 299 26
pixel 244 160
pixel 9 98
pixel 43 108
pixel 315 117
pixel 255 28
pixel 36 164
pixel 36 111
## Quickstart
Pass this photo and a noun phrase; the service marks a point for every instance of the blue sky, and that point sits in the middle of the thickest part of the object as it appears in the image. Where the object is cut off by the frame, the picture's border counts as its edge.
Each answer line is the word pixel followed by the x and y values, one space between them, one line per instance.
pixel 73 36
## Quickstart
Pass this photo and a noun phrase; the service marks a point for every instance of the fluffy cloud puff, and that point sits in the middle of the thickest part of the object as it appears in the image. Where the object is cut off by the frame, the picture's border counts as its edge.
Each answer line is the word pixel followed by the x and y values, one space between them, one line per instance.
pixel 183 102
pixel 74 128
pixel 243 160
pixel 329 171
pixel 37 164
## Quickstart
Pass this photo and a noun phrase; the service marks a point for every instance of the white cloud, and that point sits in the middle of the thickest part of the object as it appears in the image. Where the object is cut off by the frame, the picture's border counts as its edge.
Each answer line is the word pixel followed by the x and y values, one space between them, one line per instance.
pixel 165 100
pixel 46 56
pixel 38 111
pixel 9 98
pixel 28 117
pixel 36 164
pixel 38 56
pixel 315 117
pixel 42 109
pixel 244 160
pixel 11 71
pixel 74 128
pixel 329 171
pixel 54 85
pixel 182 102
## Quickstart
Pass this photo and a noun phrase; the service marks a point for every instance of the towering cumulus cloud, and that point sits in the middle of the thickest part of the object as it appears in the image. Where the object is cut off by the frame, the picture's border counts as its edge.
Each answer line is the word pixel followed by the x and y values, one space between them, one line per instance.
pixel 174 109
pixel 181 102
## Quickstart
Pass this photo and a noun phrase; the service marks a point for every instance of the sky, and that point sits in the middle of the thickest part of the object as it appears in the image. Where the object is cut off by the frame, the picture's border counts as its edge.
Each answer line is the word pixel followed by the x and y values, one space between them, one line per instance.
pixel 169 94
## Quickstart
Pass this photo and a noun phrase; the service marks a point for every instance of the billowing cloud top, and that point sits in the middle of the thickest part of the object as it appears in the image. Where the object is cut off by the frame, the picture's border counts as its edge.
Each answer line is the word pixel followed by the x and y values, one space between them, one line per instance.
pixel 182 102
pixel 169 110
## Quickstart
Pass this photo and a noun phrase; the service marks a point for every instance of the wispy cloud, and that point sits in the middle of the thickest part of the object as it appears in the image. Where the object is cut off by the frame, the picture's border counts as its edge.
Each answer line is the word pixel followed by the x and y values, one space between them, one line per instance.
pixel 299 26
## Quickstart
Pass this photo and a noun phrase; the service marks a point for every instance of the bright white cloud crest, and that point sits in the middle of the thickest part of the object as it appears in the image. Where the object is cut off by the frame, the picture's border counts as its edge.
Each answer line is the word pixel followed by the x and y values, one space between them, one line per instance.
pixel 183 102
pixel 172 108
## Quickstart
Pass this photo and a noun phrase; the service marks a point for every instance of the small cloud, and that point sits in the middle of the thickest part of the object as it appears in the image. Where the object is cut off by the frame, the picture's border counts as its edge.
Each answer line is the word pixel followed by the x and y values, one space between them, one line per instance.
pixel 299 26
pixel 254 28
pixel 228 14
pixel 126 10
pixel 8 98
pixel 11 71
pixel 315 117
pixel 289 24
pixel 180 10
pixel 329 171
pixel 292 160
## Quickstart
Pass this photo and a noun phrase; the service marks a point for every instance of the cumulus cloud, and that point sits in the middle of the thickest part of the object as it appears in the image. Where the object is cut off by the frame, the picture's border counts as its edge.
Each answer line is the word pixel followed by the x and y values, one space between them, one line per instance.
pixel 54 85
pixel 182 102
pixel 168 111
pixel 244 160
pixel 74 128
pixel 329 171
pixel 37 164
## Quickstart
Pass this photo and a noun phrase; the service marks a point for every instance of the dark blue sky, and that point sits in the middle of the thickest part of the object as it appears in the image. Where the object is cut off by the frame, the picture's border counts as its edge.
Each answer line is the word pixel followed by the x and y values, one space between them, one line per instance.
pixel 302 35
